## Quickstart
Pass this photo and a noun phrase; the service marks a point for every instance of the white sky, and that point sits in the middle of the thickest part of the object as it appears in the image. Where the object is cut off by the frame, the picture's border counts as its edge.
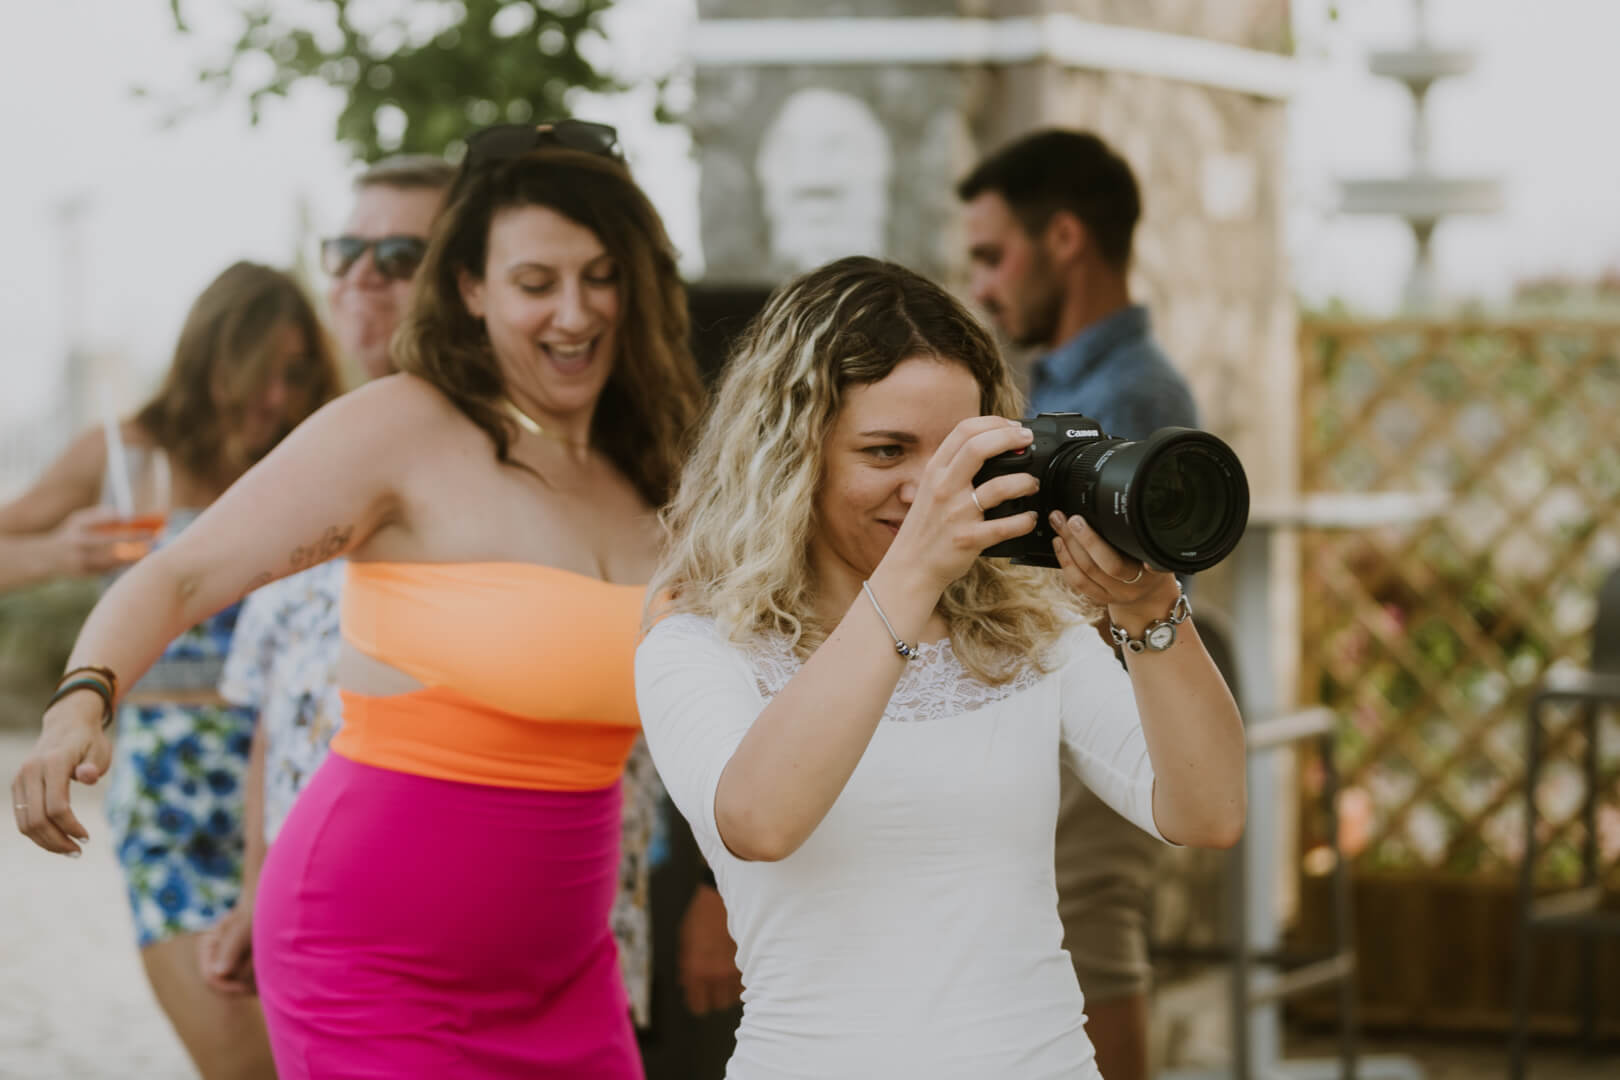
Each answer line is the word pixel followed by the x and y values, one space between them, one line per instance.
pixel 168 209
pixel 1532 114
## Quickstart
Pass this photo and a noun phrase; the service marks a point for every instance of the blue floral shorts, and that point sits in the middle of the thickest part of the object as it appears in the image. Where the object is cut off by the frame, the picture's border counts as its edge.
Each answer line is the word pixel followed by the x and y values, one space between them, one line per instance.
pixel 175 807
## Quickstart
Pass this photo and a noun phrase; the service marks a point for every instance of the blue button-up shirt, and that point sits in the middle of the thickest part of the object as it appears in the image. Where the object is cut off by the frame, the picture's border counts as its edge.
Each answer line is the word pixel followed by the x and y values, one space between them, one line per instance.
pixel 1114 372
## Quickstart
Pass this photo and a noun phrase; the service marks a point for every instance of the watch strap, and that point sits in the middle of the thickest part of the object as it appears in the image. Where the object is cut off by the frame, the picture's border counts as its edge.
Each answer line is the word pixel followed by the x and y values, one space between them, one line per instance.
pixel 1158 635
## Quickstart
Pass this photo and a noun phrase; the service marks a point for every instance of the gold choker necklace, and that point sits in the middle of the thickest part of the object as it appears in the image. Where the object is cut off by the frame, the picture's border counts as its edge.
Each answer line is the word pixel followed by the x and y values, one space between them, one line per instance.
pixel 530 424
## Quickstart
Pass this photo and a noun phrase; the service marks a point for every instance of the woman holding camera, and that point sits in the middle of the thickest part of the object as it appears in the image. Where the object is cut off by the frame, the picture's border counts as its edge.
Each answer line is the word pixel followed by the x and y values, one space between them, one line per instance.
pixel 863 719
pixel 437 902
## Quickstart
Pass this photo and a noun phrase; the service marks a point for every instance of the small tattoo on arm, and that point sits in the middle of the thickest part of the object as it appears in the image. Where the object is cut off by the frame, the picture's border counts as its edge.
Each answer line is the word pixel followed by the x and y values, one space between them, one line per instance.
pixel 332 541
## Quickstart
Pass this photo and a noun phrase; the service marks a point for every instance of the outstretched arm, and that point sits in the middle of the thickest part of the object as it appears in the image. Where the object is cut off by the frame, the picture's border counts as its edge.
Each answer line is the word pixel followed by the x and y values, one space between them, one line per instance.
pixel 323 492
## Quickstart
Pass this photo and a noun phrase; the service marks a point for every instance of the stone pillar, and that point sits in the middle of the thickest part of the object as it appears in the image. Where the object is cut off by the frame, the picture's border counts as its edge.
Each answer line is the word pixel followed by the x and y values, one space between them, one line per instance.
pixel 802 161
pixel 847 129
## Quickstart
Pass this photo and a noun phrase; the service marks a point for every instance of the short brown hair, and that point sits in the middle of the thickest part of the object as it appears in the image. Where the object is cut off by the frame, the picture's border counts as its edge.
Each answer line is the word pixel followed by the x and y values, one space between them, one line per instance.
pixel 408 172
pixel 653 396
pixel 224 348
pixel 1076 171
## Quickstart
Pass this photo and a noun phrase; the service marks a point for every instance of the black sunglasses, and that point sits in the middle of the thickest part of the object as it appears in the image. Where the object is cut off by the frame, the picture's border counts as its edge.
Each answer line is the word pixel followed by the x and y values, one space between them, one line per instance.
pixel 396 257
pixel 503 141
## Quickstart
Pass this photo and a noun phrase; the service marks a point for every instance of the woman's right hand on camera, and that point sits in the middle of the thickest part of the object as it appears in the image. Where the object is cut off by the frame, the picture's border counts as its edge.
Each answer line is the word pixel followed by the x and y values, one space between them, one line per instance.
pixel 72 746
pixel 84 544
pixel 945 530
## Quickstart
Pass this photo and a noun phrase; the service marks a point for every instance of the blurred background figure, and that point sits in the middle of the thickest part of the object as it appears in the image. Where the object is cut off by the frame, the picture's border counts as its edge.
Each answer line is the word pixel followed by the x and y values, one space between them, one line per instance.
pixel 1050 220
pixel 372 261
pixel 252 361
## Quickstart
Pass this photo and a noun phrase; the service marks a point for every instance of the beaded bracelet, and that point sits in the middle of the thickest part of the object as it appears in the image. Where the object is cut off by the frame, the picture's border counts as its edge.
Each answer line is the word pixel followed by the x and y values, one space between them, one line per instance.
pixel 907 652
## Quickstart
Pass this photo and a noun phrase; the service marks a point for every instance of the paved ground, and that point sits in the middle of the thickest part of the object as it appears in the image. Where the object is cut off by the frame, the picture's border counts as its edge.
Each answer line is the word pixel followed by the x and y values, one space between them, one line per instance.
pixel 74 1004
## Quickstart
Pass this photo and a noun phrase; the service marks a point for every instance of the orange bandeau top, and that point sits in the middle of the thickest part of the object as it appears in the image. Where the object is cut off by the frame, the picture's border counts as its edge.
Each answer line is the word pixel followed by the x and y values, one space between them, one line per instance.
pixel 528 673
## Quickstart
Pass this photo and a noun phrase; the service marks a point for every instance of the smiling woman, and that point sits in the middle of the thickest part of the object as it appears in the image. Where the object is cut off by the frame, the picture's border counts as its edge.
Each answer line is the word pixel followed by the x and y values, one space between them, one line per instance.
pixel 437 901
pixel 863 719
pixel 542 292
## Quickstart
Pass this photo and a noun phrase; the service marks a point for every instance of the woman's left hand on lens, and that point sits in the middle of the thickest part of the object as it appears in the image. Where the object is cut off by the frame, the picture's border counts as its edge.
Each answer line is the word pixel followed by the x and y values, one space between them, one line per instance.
pixel 1097 570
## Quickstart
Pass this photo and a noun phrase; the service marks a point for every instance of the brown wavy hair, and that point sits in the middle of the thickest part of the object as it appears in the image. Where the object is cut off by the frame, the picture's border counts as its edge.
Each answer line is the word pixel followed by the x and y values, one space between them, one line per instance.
pixel 223 359
pixel 653 396
pixel 741 525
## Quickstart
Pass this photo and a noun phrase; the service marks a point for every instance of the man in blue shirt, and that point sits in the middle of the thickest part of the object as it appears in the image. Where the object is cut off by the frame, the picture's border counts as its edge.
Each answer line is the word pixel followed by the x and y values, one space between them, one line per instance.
pixel 1050 220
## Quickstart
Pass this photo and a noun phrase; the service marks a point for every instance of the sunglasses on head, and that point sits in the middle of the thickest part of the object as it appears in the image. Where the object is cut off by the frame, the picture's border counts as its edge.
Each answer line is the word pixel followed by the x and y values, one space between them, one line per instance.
pixel 396 257
pixel 503 141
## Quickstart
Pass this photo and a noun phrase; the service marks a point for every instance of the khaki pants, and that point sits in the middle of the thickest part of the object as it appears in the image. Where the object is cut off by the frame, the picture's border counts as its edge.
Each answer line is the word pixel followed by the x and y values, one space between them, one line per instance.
pixel 1105 870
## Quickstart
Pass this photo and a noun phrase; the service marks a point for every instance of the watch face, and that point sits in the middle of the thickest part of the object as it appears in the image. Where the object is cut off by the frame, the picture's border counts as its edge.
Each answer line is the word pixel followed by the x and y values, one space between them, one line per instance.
pixel 1161 636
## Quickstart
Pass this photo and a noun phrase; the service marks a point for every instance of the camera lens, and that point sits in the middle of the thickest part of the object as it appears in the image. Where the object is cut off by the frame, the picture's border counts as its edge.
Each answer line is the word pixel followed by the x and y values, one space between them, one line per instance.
pixel 1178 500
pixel 1183 498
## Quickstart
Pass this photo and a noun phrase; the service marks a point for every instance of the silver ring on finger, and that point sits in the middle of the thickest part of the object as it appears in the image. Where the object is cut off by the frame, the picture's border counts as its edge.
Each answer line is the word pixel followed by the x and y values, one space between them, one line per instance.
pixel 974 495
pixel 1140 570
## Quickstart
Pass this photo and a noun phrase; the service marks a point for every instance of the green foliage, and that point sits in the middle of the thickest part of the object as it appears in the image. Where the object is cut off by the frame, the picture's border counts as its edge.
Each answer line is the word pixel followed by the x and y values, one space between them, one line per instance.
pixel 37 629
pixel 416 80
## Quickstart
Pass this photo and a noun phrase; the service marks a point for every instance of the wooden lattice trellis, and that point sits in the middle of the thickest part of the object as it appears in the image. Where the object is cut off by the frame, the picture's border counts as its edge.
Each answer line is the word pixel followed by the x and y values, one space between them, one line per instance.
pixel 1428 638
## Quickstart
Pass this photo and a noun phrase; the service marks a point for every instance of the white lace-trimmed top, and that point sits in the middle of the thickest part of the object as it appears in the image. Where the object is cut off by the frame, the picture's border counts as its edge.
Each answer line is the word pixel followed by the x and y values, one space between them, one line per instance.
pixel 915 933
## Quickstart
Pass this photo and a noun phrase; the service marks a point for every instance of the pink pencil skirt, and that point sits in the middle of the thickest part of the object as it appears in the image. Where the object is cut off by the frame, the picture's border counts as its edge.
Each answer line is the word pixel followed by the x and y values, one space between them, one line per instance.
pixel 408 927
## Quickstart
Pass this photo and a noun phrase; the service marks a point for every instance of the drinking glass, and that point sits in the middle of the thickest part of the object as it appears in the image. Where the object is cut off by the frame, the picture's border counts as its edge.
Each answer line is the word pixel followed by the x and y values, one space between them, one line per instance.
pixel 137 489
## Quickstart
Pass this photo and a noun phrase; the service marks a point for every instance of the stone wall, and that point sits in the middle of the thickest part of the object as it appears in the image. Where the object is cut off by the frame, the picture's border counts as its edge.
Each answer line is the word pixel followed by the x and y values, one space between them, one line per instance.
pixel 1253 24
pixel 921 109
pixel 1209 252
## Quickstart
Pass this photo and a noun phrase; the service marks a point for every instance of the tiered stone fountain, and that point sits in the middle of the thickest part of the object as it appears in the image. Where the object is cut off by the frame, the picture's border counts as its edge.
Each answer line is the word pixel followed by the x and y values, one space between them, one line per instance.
pixel 1421 198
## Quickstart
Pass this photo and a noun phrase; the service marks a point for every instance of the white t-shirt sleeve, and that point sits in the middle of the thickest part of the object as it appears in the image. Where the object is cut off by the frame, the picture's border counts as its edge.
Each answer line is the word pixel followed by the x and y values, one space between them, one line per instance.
pixel 697 699
pixel 1102 731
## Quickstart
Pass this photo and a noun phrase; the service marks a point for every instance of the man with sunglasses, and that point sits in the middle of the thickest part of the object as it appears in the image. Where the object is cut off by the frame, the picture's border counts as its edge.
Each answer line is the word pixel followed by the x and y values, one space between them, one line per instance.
pixel 371 263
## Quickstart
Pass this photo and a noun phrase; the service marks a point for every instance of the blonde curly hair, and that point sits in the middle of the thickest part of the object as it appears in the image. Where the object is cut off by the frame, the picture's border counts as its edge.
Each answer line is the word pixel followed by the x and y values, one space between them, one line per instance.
pixel 740 526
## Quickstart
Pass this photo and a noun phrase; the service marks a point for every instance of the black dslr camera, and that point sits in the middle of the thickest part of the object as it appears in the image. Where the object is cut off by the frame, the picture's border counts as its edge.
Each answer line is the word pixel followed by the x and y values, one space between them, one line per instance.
pixel 1177 500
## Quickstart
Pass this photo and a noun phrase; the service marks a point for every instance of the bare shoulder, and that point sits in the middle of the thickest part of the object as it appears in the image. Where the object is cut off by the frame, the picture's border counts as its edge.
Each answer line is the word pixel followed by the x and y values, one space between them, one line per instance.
pixel 404 409
pixel 401 395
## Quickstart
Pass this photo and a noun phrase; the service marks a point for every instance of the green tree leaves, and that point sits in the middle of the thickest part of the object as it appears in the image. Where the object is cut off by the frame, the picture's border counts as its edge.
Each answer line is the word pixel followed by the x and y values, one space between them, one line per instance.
pixel 416 75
